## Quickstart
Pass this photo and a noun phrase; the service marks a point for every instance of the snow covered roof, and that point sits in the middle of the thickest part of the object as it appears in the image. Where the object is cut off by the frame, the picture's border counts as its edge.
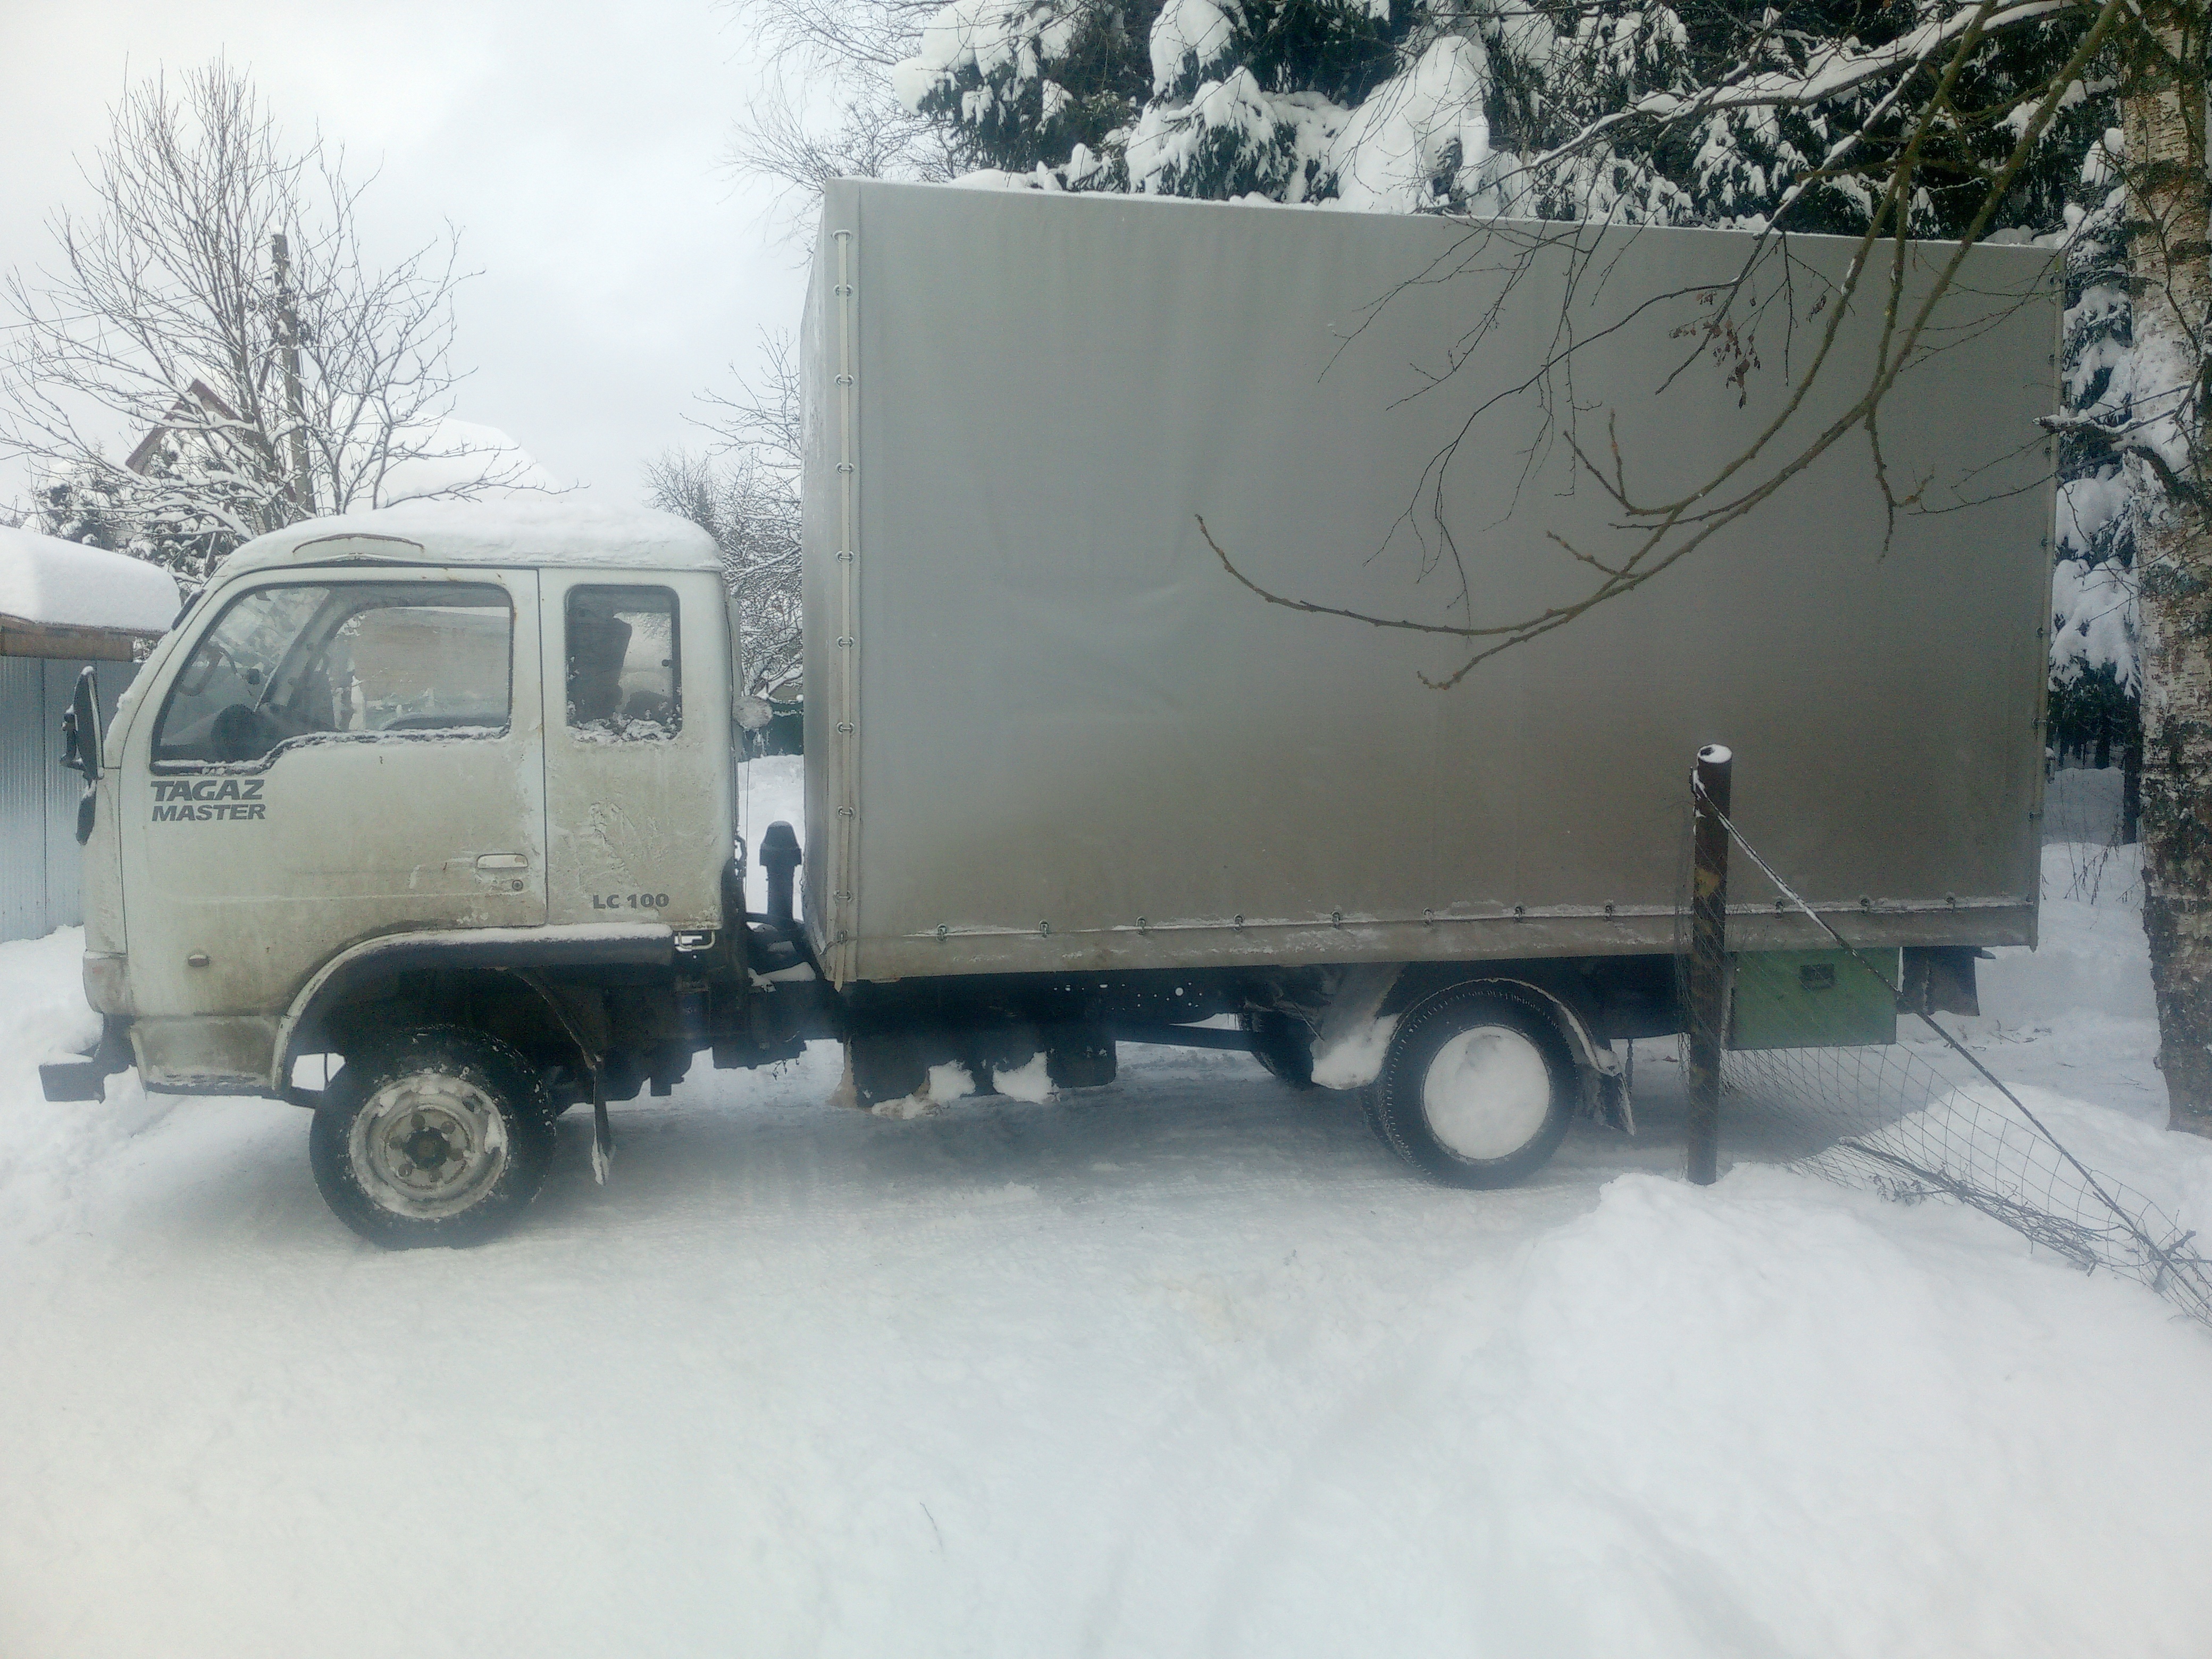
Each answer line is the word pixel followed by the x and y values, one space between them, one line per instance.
pixel 449 456
pixel 543 529
pixel 58 584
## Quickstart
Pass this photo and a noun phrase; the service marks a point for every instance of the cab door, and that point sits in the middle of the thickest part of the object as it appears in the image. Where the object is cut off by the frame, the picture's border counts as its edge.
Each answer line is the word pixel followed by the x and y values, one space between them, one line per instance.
pixel 337 755
pixel 637 762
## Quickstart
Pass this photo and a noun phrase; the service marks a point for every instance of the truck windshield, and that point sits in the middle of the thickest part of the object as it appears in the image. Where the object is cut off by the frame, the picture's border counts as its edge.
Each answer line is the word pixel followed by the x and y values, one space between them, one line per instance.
pixel 367 658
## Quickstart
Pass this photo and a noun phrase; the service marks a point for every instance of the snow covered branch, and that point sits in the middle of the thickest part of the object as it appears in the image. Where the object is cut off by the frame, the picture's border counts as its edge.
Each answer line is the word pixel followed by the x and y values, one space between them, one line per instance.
pixel 743 492
pixel 213 355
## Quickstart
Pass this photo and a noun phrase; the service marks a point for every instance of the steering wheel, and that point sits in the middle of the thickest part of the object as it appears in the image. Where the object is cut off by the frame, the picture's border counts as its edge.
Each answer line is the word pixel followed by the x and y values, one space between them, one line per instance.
pixel 238 734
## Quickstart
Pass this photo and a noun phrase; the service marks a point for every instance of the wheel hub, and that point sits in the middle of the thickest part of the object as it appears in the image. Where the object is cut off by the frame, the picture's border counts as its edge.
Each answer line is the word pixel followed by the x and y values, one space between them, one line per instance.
pixel 1486 1093
pixel 428 1144
pixel 427 1148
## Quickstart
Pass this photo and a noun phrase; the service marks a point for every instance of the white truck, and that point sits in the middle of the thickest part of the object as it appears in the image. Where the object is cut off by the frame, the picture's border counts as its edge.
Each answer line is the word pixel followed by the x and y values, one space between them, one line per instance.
pixel 445 793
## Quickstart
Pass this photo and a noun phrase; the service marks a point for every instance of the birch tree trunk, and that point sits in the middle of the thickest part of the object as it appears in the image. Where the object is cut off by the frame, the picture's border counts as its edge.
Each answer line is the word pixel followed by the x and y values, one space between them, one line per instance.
pixel 2165 126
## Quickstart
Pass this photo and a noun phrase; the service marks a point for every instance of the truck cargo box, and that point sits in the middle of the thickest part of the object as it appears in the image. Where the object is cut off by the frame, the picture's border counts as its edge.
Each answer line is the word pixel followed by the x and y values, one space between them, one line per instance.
pixel 1048 730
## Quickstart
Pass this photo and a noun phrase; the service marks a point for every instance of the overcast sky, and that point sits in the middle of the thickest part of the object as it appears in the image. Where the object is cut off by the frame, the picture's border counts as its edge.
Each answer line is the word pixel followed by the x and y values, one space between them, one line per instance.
pixel 577 145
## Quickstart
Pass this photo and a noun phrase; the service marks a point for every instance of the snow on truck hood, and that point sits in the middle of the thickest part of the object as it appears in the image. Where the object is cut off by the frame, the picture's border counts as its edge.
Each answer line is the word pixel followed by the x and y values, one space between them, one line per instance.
pixel 45 580
pixel 556 530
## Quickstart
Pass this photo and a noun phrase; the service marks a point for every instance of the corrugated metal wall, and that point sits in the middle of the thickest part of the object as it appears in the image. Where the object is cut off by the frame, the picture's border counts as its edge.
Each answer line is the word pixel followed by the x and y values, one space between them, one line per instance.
pixel 38 861
pixel 26 757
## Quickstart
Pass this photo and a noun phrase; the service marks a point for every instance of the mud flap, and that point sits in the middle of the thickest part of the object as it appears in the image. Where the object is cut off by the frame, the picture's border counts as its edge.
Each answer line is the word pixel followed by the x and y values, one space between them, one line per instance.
pixel 593 1055
pixel 602 1134
pixel 85 1077
pixel 1610 1099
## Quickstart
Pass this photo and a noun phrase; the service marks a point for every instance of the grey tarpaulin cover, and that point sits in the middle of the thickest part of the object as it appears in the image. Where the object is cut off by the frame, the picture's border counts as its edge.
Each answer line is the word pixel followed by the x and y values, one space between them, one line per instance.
pixel 1046 729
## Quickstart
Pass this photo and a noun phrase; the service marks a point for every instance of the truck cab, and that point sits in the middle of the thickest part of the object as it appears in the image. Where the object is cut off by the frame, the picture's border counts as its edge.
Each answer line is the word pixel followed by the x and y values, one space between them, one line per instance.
pixel 463 770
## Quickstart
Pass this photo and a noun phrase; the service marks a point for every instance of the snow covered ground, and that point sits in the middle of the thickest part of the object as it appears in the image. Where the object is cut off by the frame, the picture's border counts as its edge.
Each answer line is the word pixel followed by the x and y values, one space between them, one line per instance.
pixel 1189 1365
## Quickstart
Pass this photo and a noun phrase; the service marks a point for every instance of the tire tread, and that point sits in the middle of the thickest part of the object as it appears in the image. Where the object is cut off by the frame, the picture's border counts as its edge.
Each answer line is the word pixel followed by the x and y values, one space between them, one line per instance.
pixel 511 1080
pixel 1392 1102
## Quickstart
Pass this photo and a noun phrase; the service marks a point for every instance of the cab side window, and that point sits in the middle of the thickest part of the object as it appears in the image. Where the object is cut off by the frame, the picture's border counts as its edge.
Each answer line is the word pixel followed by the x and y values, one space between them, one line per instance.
pixel 624 677
pixel 349 660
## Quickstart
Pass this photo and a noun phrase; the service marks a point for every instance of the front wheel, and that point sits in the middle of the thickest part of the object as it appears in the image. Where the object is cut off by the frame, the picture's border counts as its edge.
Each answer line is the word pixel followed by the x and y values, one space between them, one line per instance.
pixel 1476 1087
pixel 438 1136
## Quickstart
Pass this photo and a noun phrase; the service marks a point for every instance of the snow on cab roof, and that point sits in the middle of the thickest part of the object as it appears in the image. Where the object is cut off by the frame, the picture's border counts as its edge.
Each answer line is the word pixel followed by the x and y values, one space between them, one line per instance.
pixel 553 530
pixel 59 584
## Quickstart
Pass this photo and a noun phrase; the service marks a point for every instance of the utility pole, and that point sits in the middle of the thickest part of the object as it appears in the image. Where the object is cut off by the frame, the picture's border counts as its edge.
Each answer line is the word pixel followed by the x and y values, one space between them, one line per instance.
pixel 287 340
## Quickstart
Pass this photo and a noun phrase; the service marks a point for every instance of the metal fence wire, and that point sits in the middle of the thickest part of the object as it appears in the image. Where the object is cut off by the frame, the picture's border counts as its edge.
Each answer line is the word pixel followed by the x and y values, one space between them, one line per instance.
pixel 1927 1119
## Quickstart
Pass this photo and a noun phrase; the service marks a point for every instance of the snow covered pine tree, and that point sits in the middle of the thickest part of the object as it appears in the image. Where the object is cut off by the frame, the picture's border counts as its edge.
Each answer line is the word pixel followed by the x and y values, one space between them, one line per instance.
pixel 2095 684
pixel 1443 108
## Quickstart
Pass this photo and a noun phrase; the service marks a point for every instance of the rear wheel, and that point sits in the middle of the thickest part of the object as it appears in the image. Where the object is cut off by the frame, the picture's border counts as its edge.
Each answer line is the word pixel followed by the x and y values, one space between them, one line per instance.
pixel 437 1136
pixel 1477 1088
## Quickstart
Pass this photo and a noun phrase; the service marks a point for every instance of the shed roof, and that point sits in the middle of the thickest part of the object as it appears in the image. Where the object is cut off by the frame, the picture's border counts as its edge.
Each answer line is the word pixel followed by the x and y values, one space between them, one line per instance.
pixel 551 529
pixel 52 583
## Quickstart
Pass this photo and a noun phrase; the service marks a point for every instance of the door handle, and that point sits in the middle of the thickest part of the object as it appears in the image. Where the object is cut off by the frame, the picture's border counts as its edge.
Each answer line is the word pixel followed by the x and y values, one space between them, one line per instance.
pixel 502 861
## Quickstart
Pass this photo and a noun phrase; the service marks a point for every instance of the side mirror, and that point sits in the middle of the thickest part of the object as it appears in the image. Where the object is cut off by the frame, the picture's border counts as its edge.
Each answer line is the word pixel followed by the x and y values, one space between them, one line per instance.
pixel 81 737
pixel 81 733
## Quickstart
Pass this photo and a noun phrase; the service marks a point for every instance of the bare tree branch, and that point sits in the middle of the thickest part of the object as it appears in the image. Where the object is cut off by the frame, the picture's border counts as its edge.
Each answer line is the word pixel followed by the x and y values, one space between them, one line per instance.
pixel 743 492
pixel 165 325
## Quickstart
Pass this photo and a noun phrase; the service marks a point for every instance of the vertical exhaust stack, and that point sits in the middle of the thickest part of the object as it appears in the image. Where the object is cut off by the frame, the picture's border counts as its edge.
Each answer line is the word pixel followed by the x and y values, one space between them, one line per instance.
pixel 779 858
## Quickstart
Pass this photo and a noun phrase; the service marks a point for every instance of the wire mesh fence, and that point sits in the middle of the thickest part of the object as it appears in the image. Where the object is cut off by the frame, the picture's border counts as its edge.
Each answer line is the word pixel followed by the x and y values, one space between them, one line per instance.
pixel 1847 1043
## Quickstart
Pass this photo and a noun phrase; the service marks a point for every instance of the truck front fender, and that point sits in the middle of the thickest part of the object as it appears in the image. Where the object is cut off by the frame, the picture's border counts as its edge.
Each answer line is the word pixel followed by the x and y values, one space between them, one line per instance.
pixel 389 955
